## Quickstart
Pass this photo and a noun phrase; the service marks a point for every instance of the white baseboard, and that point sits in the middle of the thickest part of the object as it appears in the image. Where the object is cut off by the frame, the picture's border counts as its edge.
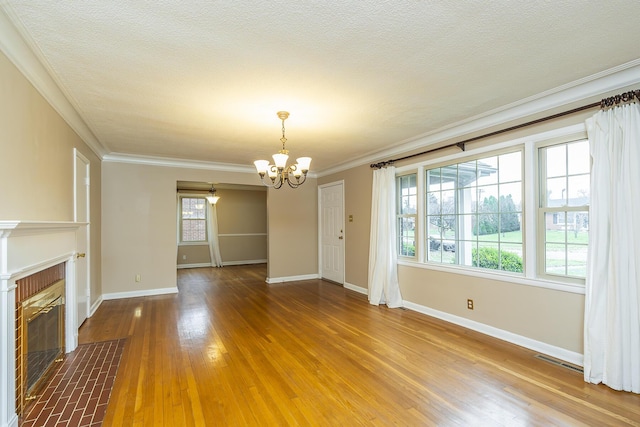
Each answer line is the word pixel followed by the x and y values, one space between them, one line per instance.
pixel 144 293
pixel 206 264
pixel 199 265
pixel 271 280
pixel 356 288
pixel 249 261
pixel 531 344
pixel 94 307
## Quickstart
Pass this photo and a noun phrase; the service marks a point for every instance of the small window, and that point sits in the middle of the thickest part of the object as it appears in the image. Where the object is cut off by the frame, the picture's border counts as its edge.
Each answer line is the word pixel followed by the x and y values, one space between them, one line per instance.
pixel 193 220
pixel 564 208
pixel 407 207
pixel 474 213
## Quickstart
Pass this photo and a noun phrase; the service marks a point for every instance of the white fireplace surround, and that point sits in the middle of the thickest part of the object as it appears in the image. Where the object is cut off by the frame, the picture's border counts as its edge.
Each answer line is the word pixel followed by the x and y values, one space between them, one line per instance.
pixel 27 247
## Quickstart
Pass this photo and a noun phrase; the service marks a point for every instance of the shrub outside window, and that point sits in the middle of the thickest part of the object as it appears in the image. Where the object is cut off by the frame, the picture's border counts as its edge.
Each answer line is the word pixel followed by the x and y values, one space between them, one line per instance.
pixel 564 208
pixel 407 194
pixel 193 224
pixel 474 213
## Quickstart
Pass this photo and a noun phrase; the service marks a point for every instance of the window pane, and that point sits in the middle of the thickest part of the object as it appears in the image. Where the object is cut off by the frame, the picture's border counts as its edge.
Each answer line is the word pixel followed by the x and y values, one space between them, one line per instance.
pixel 407 192
pixel 434 226
pixel 433 180
pixel 579 158
pixel 556 192
pixel 434 205
pixel 555 259
pixel 193 208
pixel 406 234
pixel 577 260
pixel 510 227
pixel 578 190
pixel 511 197
pixel 555 227
pixel 487 169
pixel 510 167
pixel 467 174
pixel 556 160
pixel 193 230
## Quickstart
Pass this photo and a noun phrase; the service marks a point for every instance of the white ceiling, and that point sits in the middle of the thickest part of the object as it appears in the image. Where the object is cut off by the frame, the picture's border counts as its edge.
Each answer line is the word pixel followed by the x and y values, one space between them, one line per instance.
pixel 203 80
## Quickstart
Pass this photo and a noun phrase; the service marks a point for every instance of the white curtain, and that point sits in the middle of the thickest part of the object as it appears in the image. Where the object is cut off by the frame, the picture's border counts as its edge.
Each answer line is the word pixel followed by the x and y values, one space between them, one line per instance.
pixel 383 269
pixel 214 245
pixel 612 299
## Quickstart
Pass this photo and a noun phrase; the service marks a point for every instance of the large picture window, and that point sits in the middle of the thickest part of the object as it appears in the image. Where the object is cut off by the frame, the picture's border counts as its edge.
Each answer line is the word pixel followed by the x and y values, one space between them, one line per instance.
pixel 521 210
pixel 193 219
pixel 474 213
pixel 564 208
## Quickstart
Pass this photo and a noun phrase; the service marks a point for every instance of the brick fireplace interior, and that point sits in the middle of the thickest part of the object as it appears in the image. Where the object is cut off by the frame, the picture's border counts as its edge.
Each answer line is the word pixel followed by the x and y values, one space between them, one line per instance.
pixel 39 330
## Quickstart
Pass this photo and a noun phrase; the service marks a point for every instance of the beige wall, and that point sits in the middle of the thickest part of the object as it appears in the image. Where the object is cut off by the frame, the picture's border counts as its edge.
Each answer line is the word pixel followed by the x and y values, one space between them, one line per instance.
pixel 357 202
pixel 139 224
pixel 293 231
pixel 36 163
pixel 242 216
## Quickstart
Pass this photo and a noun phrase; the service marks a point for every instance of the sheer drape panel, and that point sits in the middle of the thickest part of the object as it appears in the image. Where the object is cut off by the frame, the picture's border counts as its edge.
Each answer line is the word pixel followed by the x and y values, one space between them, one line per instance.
pixel 214 245
pixel 612 297
pixel 383 268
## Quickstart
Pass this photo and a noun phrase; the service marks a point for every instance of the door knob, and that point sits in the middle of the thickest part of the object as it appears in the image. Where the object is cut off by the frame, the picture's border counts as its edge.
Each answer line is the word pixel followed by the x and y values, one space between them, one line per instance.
pixel 81 255
pixel 340 237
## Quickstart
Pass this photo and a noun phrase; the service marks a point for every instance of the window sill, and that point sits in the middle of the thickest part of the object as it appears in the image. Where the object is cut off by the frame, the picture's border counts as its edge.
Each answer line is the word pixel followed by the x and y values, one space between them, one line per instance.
pixel 201 243
pixel 503 277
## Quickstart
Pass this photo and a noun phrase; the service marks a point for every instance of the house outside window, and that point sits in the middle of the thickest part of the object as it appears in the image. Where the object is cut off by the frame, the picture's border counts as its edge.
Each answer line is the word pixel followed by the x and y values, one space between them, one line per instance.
pixel 193 219
pixel 474 213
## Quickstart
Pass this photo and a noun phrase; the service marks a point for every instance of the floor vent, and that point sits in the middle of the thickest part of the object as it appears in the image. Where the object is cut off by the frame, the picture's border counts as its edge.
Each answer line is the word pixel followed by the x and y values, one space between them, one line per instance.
pixel 559 363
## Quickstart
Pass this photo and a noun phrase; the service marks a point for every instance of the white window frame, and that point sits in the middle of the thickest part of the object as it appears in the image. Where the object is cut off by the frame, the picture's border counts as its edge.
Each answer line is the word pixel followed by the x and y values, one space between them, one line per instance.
pixel 179 220
pixel 542 210
pixel 530 218
pixel 399 216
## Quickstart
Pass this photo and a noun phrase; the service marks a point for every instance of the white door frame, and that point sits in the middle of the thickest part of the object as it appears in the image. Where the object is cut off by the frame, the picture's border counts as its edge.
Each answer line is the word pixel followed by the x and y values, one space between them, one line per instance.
pixel 79 157
pixel 320 188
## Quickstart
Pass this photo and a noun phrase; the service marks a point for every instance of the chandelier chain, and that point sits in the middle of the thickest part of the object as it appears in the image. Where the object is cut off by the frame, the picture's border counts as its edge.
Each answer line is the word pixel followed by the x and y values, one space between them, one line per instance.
pixel 283 139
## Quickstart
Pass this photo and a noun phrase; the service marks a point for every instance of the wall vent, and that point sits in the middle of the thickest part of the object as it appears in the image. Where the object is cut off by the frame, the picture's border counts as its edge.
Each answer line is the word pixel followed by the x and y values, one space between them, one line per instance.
pixel 559 363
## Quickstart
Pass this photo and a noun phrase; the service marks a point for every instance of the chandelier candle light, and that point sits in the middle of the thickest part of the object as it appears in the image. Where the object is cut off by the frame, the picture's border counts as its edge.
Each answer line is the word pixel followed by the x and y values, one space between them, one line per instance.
pixel 279 173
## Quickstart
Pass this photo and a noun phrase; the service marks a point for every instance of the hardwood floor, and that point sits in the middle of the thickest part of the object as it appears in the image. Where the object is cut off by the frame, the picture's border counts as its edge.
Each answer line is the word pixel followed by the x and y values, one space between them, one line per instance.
pixel 231 350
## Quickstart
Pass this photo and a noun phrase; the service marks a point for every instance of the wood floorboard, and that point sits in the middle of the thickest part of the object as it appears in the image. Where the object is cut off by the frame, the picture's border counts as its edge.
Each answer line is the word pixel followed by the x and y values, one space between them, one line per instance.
pixel 231 350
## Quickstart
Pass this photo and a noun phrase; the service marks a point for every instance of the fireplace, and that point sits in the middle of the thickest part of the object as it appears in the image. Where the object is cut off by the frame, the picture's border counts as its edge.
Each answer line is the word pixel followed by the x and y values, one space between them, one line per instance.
pixel 39 330
pixel 37 299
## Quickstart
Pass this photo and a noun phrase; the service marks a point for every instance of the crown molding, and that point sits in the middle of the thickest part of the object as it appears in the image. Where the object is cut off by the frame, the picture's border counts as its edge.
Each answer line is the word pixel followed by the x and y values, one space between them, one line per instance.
pixel 14 44
pixel 591 86
pixel 176 163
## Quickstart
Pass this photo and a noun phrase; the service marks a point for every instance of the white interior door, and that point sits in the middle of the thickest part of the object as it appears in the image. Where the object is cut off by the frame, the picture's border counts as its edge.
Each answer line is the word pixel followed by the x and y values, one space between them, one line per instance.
pixel 81 214
pixel 332 232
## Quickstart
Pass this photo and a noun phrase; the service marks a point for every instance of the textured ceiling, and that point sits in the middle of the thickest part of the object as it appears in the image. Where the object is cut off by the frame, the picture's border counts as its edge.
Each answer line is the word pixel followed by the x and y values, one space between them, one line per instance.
pixel 203 80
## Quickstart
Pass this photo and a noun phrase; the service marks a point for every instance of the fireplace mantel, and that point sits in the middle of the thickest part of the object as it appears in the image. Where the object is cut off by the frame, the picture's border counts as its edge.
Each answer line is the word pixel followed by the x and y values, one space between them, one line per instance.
pixel 27 247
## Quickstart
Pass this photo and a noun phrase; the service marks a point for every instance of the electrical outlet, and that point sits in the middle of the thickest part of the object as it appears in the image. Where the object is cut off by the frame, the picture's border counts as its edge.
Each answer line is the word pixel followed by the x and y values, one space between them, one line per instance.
pixel 184 257
pixel 138 278
pixel 470 304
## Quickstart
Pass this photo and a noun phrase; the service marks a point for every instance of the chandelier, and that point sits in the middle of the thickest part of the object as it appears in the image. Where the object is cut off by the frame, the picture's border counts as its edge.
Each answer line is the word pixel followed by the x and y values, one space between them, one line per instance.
pixel 279 173
pixel 212 197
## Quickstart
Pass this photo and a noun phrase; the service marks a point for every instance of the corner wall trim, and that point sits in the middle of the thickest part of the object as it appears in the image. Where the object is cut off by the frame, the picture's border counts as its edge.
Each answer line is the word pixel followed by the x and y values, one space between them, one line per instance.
pixel 136 294
pixel 271 280
pixel 531 344
pixel 94 307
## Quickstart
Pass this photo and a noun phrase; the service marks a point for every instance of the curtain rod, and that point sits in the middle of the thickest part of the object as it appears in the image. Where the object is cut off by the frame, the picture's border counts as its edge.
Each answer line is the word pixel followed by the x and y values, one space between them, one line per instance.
pixel 603 104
